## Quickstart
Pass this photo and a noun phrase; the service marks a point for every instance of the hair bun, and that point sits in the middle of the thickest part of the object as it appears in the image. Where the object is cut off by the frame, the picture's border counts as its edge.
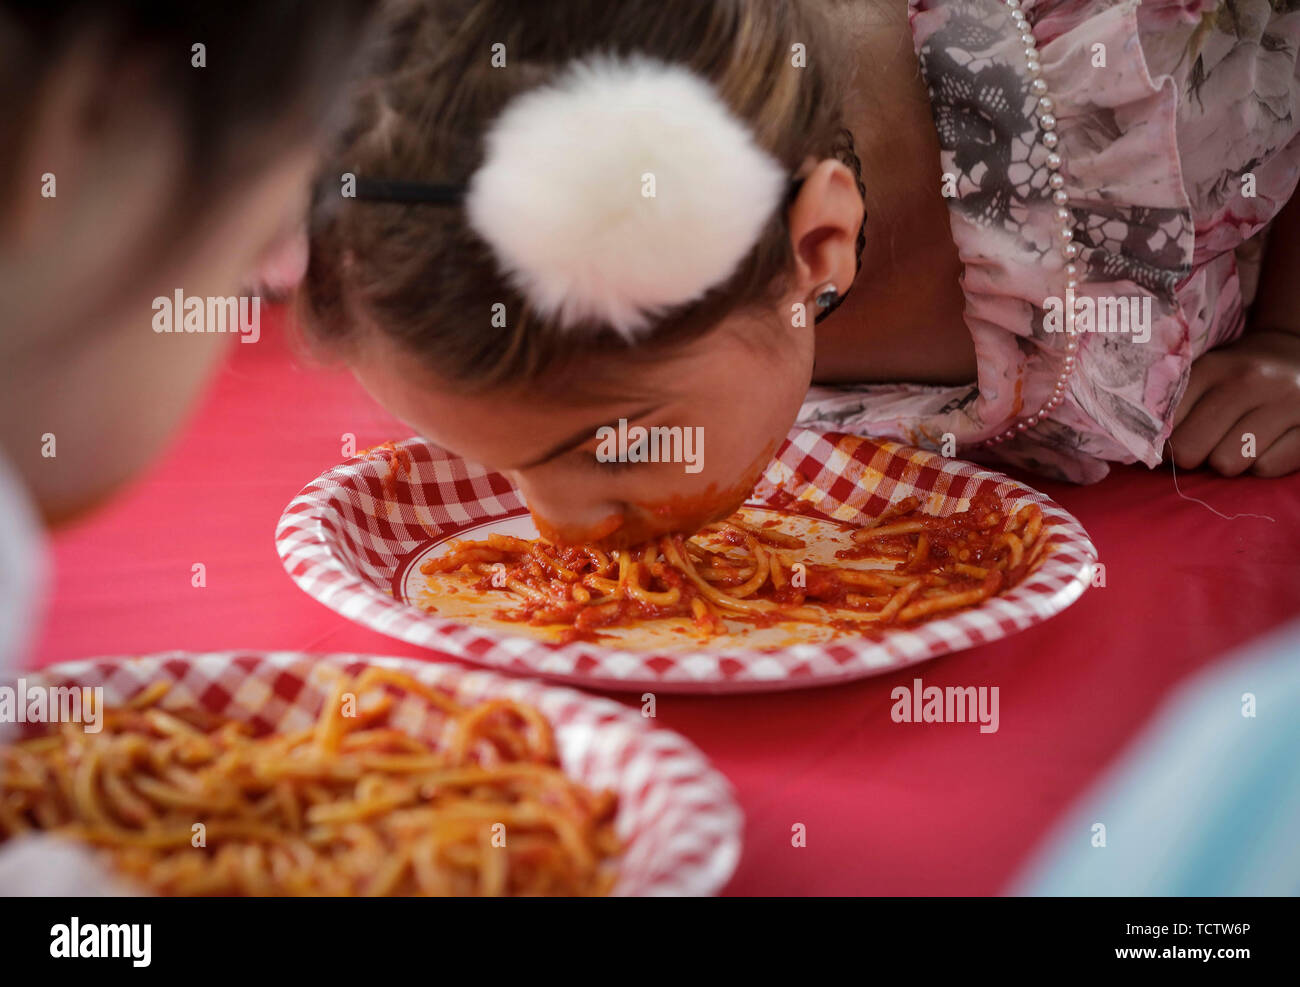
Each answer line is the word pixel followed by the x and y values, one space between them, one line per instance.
pixel 566 200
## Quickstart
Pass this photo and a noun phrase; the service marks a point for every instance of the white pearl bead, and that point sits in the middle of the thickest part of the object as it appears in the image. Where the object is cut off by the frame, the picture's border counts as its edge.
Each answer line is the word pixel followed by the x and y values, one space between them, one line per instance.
pixel 1047 122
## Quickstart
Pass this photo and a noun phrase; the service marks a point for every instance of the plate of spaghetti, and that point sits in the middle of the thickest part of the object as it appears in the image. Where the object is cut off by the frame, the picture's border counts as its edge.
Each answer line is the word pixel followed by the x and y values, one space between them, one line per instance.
pixel 852 557
pixel 289 774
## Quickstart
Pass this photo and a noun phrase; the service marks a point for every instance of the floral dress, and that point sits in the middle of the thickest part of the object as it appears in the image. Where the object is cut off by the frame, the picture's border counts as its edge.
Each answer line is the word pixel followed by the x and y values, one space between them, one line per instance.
pixel 1176 142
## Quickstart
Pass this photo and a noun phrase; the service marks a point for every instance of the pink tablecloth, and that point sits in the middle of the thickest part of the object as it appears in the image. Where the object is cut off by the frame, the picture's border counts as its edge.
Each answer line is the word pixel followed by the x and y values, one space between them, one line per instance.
pixel 888 808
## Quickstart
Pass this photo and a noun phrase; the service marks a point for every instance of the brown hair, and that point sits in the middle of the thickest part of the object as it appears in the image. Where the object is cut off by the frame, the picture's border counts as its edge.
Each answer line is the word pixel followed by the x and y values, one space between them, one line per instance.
pixel 272 65
pixel 420 275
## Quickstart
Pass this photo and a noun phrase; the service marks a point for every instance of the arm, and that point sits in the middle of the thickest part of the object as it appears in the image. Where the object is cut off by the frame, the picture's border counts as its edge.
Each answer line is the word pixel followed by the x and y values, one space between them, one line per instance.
pixel 1252 386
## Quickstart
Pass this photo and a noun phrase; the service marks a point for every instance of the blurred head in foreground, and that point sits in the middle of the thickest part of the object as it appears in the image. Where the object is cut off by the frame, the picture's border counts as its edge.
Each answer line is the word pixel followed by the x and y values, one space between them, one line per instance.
pixel 149 148
pixel 646 202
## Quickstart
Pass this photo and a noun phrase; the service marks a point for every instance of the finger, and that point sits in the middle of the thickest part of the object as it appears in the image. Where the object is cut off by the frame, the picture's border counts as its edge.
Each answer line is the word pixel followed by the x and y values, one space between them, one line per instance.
pixel 1251 437
pixel 1229 458
pixel 1207 424
pixel 1202 378
pixel 1282 457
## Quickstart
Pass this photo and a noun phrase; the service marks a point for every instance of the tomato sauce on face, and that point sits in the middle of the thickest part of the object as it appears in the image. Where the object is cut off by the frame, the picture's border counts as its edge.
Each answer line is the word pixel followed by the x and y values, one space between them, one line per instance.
pixel 647 520
pixel 606 533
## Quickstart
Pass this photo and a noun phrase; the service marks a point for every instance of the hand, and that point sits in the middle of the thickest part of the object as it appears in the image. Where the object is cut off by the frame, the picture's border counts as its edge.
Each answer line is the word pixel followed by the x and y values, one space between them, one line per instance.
pixel 1250 387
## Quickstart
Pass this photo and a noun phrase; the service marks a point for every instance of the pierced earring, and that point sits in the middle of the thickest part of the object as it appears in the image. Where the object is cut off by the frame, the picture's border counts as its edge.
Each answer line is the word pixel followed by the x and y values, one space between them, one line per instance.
pixel 826 297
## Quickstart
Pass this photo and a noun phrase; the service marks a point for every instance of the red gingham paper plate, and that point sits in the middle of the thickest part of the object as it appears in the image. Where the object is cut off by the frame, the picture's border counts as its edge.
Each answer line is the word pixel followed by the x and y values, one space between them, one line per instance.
pixel 678 821
pixel 349 533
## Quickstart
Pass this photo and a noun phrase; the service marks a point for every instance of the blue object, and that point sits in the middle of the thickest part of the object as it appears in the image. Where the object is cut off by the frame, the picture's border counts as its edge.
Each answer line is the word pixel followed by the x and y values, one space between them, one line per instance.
pixel 1205 802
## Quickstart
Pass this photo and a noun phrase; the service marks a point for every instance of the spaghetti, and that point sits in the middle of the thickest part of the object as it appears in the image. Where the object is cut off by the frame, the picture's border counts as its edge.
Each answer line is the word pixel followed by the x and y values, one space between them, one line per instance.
pixel 755 573
pixel 351 805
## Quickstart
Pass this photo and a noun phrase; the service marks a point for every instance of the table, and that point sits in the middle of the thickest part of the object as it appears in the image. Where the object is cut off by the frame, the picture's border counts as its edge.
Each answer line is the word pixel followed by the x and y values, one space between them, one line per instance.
pixel 889 808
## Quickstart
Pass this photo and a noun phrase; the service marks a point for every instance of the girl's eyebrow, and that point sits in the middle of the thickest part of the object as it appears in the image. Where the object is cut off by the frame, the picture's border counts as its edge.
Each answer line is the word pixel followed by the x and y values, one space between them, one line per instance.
pixel 585 435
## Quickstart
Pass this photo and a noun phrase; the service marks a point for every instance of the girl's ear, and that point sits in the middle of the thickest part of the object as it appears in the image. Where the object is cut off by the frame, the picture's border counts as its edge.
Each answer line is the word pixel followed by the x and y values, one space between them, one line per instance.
pixel 46 158
pixel 100 146
pixel 824 221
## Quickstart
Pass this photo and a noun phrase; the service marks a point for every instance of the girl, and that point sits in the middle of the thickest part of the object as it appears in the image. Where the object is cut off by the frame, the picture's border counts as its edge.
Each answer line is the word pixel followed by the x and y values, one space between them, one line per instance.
pixel 148 148
pixel 1023 230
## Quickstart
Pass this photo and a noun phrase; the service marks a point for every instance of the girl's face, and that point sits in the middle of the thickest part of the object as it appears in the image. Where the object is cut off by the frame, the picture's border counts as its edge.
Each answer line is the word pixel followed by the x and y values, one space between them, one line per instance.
pixel 734 392
pixel 731 396
pixel 113 396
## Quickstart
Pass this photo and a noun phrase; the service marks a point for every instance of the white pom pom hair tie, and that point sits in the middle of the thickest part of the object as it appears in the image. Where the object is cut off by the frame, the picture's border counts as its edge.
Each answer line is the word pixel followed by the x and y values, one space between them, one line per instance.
pixel 620 190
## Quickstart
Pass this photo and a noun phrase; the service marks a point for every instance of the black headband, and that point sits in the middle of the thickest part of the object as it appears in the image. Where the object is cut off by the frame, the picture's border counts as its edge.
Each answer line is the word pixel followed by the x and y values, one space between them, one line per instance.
pixel 391 190
pixel 423 193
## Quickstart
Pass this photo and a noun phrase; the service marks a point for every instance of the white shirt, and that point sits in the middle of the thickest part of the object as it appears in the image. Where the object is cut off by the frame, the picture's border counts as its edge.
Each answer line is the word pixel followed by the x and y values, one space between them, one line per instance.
pixel 24 570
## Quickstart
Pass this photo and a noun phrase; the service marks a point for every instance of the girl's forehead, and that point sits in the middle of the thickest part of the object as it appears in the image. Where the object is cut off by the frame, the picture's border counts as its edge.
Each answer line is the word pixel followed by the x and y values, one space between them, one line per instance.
pixel 605 380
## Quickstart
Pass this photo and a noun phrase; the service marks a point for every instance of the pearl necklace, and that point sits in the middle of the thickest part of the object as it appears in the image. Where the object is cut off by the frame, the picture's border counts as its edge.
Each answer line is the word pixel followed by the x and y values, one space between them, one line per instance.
pixel 1069 249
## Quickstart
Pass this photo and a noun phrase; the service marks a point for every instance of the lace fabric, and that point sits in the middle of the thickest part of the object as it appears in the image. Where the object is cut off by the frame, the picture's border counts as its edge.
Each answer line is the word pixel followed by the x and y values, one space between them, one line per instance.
pixel 1188 98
